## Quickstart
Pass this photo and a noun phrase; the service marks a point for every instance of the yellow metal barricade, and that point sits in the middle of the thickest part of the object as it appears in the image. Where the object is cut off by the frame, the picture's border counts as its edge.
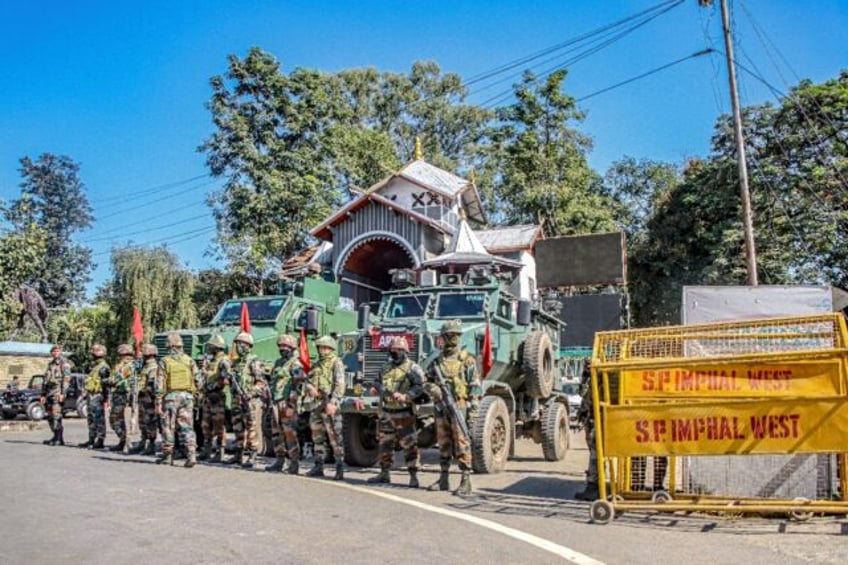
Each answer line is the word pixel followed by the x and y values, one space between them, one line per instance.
pixel 669 400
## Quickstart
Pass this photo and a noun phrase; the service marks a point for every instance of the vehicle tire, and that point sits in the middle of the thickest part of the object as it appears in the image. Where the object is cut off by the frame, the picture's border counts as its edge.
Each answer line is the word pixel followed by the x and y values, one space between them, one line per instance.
pixel 360 440
pixel 491 436
pixel 35 410
pixel 538 364
pixel 82 408
pixel 555 436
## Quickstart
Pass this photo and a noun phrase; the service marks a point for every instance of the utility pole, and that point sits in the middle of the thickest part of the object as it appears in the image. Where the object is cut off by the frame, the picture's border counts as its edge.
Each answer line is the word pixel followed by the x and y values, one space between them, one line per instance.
pixel 742 165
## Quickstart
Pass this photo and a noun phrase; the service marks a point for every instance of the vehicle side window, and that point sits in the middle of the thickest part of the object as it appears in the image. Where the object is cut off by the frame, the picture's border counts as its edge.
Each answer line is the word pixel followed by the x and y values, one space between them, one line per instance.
pixel 36 381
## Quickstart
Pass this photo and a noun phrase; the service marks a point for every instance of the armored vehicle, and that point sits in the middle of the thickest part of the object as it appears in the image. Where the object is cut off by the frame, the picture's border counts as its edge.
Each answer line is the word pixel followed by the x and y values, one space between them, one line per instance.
pixel 519 399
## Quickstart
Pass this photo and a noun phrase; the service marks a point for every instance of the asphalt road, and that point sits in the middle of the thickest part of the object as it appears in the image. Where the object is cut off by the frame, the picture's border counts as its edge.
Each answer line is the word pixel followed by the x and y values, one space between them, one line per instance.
pixel 74 505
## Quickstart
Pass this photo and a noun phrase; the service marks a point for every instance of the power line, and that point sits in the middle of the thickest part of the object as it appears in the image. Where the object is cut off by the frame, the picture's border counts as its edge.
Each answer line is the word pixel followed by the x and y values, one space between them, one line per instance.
pixel 161 199
pixel 173 238
pixel 170 224
pixel 153 190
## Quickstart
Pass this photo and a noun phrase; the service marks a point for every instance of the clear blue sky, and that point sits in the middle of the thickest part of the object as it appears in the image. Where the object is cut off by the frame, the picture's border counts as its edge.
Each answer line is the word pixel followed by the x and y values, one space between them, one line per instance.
pixel 121 86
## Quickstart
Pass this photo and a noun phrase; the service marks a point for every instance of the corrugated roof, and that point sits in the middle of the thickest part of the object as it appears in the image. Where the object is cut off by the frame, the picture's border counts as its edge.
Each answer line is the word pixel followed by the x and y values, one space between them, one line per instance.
pixel 466 249
pixel 24 348
pixel 422 172
pixel 509 238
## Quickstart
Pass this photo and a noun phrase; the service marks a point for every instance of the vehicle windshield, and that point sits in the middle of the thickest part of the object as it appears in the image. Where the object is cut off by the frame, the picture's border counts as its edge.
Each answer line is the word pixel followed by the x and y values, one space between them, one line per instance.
pixel 571 388
pixel 409 306
pixel 461 305
pixel 263 310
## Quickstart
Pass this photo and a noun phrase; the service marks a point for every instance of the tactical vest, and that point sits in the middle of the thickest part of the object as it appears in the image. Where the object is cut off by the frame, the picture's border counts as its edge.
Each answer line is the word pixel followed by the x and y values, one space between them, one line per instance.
pixel 122 374
pixel 147 378
pixel 178 377
pixel 242 370
pixel 321 377
pixel 281 378
pixel 92 381
pixel 213 374
pixel 453 370
pixel 394 378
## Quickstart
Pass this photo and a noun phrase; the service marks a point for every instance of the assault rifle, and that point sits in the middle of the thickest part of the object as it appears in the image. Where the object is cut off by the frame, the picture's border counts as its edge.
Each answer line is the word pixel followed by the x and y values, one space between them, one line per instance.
pixel 449 402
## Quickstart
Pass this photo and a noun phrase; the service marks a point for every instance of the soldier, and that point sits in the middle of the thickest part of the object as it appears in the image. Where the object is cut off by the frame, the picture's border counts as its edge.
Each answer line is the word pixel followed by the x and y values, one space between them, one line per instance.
pixel 216 367
pixel 58 373
pixel 148 418
pixel 286 378
pixel 321 394
pixel 400 384
pixel 175 401
pixel 95 397
pixel 120 383
pixel 586 418
pixel 247 380
pixel 459 370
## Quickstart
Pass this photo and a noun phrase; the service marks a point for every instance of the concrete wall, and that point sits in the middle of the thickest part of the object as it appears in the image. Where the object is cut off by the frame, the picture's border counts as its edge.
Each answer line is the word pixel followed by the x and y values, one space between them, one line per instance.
pixel 24 366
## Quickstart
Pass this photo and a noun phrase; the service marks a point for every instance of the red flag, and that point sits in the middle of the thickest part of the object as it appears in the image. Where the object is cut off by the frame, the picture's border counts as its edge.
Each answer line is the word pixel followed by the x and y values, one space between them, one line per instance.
pixel 245 318
pixel 488 358
pixel 303 350
pixel 137 330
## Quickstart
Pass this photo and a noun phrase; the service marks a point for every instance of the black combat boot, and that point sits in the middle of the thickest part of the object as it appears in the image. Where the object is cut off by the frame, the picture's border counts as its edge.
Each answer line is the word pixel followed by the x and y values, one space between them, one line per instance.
pixel 60 434
pixel 413 478
pixel 86 445
pixel 382 478
pixel 191 460
pixel 339 476
pixel 205 453
pixel 120 447
pixel 52 440
pixel 317 469
pixel 464 488
pixel 276 466
pixel 590 493
pixel 218 456
pixel 151 447
pixel 165 459
pixel 442 482
pixel 249 460
pixel 139 448
pixel 294 467
pixel 235 459
pixel 98 443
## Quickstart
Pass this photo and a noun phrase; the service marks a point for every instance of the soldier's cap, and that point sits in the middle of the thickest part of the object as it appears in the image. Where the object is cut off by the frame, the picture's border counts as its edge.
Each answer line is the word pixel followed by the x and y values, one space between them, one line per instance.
pixel 56 347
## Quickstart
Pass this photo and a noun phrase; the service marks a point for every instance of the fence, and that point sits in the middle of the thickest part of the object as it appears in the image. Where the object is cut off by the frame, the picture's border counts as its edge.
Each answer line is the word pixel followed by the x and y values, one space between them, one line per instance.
pixel 697 407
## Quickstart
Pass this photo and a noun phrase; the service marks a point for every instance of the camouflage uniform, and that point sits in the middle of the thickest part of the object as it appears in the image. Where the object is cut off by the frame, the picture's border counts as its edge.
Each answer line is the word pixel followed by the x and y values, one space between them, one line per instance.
pixel 285 380
pixel 327 381
pixel 176 396
pixel 148 382
pixel 56 376
pixel 586 417
pixel 459 369
pixel 213 409
pixel 95 395
pixel 249 373
pixel 400 383
pixel 120 383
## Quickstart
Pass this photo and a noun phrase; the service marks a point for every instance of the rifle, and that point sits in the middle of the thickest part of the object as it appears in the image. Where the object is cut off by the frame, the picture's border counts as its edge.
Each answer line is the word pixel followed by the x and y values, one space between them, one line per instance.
pixel 449 402
pixel 134 397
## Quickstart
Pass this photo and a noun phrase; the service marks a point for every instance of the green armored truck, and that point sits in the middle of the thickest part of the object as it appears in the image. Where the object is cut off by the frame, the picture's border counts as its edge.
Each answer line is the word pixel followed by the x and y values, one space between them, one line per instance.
pixel 519 399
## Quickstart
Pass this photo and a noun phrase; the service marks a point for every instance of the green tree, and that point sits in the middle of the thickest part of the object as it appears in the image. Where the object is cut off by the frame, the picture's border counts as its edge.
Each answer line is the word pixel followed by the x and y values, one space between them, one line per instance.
pixel 79 327
pixel 638 187
pixel 214 287
pixel 152 280
pixel 537 163
pixel 22 254
pixel 53 198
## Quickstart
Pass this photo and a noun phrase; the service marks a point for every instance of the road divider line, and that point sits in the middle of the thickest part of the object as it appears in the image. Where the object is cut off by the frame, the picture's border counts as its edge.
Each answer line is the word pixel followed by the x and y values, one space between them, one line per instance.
pixel 541 543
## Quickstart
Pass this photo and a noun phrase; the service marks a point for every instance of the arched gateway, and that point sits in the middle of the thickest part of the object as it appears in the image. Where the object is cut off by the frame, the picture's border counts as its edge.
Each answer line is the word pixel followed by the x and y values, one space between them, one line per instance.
pixel 364 266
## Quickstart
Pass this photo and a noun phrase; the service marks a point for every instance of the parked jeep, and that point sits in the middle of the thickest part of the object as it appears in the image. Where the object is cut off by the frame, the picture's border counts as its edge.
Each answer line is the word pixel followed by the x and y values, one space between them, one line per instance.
pixel 26 401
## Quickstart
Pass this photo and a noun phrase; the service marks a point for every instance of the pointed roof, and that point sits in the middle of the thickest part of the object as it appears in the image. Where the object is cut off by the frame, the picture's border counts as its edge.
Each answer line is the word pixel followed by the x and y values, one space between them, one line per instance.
pixel 466 249
pixel 510 238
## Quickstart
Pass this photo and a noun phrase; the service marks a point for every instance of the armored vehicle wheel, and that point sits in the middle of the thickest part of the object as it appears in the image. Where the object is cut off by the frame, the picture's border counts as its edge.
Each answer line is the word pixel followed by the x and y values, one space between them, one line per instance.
pixel 35 411
pixel 538 364
pixel 491 436
pixel 555 432
pixel 82 408
pixel 601 512
pixel 360 440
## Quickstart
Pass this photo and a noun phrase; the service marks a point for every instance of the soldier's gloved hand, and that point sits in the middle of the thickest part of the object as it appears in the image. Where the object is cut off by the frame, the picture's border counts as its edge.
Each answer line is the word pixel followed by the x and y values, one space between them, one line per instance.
pixel 42 399
pixel 311 391
pixel 330 409
pixel 435 393
pixel 358 405
pixel 400 397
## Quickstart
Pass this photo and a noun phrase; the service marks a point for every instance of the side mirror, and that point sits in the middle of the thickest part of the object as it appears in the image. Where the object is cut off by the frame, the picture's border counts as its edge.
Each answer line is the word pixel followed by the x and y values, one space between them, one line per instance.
pixel 363 316
pixel 311 320
pixel 524 307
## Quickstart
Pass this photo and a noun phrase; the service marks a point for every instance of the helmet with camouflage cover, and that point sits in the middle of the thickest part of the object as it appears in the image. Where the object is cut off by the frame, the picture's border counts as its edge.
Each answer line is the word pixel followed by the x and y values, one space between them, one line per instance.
pixel 399 343
pixel 325 341
pixel 286 340
pixel 149 350
pixel 174 340
pixel 451 327
pixel 217 340
pixel 56 347
pixel 244 337
pixel 125 349
pixel 98 350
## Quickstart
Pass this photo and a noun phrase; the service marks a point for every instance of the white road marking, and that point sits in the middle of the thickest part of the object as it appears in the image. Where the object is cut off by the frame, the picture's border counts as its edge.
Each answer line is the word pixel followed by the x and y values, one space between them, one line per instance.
pixel 546 545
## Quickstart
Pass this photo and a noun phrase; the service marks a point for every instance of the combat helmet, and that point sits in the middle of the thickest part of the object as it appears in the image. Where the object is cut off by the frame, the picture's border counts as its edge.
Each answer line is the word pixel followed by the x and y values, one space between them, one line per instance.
pixel 286 340
pixel 399 343
pixel 244 337
pixel 326 341
pixel 125 349
pixel 216 340
pixel 98 350
pixel 174 340
pixel 452 327
pixel 149 350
